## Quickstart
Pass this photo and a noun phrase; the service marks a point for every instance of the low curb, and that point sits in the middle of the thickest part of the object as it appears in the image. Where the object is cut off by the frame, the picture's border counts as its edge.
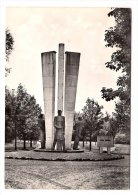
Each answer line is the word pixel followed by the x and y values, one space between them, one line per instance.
pixel 66 159
pixel 56 151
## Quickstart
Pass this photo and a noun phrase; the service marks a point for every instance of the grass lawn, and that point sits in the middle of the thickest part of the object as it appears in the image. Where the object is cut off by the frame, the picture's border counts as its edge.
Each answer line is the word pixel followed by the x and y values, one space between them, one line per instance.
pixel 119 148
pixel 11 146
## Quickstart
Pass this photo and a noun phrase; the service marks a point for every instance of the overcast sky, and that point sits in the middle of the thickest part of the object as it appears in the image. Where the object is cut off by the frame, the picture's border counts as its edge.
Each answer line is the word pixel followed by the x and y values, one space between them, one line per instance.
pixel 37 30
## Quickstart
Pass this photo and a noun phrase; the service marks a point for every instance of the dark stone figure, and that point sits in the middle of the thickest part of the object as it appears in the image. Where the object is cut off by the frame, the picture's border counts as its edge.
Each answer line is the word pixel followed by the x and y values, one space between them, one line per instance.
pixel 59 134
pixel 41 122
pixel 78 130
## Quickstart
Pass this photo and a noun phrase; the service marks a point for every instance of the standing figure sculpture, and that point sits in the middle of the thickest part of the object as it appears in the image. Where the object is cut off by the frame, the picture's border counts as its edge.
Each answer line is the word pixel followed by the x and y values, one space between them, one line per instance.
pixel 59 134
pixel 41 123
pixel 78 129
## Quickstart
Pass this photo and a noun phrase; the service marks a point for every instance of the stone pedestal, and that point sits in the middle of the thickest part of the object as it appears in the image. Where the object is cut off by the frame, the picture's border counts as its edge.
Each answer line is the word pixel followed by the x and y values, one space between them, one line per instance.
pixel 49 76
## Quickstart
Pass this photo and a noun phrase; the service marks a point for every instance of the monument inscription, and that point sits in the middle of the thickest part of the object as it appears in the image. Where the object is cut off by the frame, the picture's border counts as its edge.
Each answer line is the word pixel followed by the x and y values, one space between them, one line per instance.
pixel 105 141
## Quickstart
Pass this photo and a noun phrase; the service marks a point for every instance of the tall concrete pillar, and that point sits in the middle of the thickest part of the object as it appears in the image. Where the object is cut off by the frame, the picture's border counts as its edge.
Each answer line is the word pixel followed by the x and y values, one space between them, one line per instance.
pixel 60 76
pixel 49 75
pixel 71 79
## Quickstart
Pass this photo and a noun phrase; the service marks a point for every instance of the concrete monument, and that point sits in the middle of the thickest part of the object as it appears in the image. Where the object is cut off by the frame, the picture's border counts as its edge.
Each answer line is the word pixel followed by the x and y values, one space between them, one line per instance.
pixel 66 92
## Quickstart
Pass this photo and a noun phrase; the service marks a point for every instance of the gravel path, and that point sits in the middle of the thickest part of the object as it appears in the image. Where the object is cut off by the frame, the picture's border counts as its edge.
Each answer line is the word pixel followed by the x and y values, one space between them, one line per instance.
pixel 67 175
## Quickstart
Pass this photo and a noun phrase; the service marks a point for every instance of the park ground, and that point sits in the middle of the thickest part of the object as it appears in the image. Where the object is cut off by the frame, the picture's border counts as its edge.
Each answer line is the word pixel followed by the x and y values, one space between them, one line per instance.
pixel 32 174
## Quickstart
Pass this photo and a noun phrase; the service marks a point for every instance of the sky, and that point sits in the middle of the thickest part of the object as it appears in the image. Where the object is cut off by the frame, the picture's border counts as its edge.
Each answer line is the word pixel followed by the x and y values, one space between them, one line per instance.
pixel 41 29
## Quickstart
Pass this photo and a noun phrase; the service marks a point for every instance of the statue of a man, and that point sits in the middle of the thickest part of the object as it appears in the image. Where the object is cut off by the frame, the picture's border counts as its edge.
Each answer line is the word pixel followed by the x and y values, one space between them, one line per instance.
pixel 59 134
pixel 78 129
pixel 41 123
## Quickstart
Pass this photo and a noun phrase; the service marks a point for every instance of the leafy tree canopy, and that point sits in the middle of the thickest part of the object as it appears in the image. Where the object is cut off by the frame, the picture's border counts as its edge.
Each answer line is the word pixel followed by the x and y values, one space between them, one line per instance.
pixel 9 43
pixel 22 113
pixel 92 115
pixel 119 37
pixel 9 48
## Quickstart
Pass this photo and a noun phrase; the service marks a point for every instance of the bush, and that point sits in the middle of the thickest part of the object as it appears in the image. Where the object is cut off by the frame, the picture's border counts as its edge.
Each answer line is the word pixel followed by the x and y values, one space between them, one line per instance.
pixel 122 139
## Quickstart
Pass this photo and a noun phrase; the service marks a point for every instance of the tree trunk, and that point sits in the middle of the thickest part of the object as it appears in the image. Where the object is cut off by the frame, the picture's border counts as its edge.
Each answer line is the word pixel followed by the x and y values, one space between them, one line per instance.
pixel 24 142
pixel 83 141
pixel 15 137
pixel 31 144
pixel 90 143
pixel 113 140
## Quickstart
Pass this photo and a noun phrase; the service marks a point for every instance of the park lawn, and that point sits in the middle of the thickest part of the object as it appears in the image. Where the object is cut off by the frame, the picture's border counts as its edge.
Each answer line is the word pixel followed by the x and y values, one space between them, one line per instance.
pixel 11 146
pixel 119 148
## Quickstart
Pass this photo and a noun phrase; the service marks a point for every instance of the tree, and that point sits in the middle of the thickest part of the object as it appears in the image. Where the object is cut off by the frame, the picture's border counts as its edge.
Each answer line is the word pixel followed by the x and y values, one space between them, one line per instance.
pixel 9 43
pixel 122 117
pixel 32 120
pixel 112 128
pixel 120 38
pixel 9 47
pixel 92 115
pixel 9 125
pixel 21 113
pixel 28 112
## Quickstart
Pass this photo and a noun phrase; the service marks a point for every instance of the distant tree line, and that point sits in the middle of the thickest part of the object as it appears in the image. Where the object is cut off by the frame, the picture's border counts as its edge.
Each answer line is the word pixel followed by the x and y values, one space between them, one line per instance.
pixel 94 119
pixel 21 114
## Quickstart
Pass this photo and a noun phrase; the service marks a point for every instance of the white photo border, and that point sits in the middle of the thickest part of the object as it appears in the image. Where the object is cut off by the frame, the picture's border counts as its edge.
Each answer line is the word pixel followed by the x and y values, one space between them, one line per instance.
pixel 133 4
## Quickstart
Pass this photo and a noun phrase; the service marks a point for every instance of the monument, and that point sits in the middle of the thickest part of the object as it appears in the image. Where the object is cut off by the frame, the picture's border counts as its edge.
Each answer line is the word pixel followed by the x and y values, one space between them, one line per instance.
pixel 105 141
pixel 66 90
pixel 105 138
